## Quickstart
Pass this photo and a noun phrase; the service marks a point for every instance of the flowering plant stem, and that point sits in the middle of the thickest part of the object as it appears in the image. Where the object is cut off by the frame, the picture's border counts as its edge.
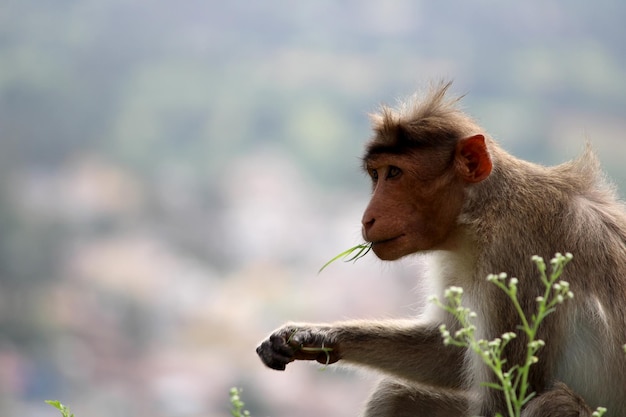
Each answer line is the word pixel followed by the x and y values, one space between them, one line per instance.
pixel 237 405
pixel 65 411
pixel 513 382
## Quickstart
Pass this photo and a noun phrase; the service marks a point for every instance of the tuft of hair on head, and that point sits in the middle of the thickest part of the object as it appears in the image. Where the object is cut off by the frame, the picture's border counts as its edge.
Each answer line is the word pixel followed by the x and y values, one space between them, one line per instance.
pixel 432 121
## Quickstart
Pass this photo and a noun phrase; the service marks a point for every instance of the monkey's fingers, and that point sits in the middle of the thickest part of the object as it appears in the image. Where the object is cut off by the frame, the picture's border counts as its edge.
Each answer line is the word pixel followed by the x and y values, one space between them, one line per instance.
pixel 275 352
pixel 323 355
pixel 313 345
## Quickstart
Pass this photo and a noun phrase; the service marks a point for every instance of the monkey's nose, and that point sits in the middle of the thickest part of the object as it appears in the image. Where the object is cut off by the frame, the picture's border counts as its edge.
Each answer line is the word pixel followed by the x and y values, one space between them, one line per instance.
pixel 367 226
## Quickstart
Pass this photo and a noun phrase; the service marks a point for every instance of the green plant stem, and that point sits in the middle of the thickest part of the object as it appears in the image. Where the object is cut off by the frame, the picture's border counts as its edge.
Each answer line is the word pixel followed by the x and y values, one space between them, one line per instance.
pixel 237 405
pixel 65 411
pixel 326 350
pixel 514 382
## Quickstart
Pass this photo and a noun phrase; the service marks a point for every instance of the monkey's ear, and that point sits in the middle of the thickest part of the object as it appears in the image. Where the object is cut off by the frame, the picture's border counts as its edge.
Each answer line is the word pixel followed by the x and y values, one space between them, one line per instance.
pixel 472 159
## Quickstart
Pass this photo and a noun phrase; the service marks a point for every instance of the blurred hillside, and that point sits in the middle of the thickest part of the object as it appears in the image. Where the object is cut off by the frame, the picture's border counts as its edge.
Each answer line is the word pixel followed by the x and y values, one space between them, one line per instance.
pixel 173 175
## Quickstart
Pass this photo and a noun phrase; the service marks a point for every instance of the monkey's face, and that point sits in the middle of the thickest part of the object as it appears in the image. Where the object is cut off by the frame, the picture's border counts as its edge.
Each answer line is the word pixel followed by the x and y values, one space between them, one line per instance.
pixel 415 203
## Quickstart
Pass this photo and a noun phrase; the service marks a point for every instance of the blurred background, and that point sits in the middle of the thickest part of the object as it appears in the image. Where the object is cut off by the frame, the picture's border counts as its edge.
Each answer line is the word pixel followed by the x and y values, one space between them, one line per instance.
pixel 174 174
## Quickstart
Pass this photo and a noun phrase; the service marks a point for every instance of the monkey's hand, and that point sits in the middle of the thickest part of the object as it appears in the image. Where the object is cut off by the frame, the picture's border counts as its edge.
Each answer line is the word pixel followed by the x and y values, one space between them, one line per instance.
pixel 299 342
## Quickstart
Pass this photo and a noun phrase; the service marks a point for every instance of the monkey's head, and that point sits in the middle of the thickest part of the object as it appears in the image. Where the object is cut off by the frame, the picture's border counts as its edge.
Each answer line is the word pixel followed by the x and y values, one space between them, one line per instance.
pixel 420 162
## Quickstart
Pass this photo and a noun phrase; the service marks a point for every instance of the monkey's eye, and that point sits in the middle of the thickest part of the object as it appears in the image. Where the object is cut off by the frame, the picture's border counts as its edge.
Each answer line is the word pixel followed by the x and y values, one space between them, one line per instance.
pixel 393 172
pixel 373 174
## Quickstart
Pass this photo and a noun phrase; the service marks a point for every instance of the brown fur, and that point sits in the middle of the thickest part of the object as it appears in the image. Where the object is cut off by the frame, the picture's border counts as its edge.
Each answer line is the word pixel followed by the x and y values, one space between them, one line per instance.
pixel 441 186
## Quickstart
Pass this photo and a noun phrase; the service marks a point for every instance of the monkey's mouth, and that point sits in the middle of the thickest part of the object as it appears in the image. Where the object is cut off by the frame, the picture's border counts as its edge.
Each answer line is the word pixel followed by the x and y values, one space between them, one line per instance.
pixel 383 241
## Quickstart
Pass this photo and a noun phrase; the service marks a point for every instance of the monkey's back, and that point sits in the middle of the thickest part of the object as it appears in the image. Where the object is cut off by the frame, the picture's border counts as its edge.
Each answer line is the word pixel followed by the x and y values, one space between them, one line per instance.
pixel 536 210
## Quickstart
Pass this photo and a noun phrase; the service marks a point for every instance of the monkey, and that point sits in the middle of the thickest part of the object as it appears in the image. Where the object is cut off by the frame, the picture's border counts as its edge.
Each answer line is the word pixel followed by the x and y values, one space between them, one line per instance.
pixel 444 189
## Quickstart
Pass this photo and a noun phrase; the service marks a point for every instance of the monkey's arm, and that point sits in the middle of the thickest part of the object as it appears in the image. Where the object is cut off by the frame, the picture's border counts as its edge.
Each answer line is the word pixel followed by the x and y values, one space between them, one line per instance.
pixel 405 348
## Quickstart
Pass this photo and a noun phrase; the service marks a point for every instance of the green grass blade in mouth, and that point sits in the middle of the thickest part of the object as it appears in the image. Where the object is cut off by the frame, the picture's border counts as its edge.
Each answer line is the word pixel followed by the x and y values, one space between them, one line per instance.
pixel 350 255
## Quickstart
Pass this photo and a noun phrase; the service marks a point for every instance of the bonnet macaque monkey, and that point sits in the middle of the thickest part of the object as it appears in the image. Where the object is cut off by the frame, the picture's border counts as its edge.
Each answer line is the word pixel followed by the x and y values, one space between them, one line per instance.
pixel 443 187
